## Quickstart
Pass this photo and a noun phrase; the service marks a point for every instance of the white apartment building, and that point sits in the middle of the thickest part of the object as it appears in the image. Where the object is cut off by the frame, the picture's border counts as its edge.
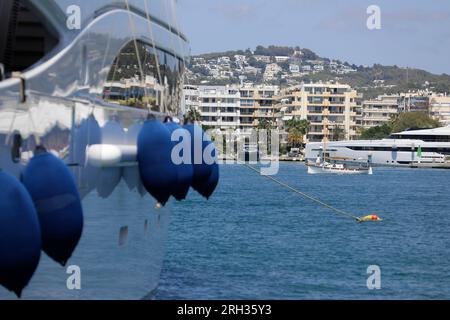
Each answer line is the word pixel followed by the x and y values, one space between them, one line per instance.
pixel 294 68
pixel 318 67
pixel 239 58
pixel 265 59
pixel 379 111
pixel 219 106
pixel 306 68
pixel 190 99
pixel 281 58
pixel 224 59
pixel 232 107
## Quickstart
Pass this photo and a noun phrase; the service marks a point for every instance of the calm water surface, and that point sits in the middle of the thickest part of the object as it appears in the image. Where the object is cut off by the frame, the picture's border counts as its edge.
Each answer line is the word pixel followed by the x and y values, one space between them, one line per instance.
pixel 255 240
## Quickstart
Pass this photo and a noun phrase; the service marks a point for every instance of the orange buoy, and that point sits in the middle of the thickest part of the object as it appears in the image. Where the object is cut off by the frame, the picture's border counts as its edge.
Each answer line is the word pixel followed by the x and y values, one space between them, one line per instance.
pixel 370 217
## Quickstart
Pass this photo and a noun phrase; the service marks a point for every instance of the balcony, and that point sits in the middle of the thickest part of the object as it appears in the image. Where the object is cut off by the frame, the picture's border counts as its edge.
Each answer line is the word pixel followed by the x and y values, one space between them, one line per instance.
pixel 229 114
pixel 316 103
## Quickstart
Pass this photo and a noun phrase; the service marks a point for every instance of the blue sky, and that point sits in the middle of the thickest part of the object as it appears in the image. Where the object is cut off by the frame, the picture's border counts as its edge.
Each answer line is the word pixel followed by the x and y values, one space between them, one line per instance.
pixel 414 33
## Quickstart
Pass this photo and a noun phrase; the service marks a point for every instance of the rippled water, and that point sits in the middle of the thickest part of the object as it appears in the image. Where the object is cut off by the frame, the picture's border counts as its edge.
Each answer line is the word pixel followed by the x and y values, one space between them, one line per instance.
pixel 255 240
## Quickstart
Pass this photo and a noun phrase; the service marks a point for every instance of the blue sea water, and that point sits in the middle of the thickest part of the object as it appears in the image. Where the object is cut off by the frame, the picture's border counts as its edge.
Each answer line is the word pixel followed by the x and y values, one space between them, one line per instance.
pixel 256 240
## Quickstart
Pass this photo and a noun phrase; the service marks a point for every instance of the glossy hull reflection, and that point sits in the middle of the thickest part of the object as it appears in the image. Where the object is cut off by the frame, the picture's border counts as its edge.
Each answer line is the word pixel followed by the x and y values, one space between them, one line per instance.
pixel 89 91
pixel 121 250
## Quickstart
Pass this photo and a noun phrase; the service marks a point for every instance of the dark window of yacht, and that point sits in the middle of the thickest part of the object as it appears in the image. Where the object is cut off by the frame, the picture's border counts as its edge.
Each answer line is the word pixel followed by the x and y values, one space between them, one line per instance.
pixel 25 35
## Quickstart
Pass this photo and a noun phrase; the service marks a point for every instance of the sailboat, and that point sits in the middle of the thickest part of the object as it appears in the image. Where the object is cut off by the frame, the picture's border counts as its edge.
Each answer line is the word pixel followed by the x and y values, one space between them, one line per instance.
pixel 321 165
pixel 337 168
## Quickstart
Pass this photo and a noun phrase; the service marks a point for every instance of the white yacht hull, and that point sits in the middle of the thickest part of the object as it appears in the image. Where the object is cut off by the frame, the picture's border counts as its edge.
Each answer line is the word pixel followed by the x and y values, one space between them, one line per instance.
pixel 387 152
pixel 314 169
pixel 66 110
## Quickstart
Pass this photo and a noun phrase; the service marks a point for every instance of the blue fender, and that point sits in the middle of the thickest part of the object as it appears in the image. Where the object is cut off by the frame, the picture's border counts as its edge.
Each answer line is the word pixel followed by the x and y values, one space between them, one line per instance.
pixel 185 171
pixel 20 235
pixel 202 171
pixel 57 201
pixel 156 169
pixel 208 187
pixel 206 174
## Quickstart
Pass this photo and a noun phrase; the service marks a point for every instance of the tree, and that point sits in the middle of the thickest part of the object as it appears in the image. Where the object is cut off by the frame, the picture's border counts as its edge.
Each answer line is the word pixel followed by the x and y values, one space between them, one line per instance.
pixel 378 132
pixel 413 120
pixel 337 133
pixel 264 124
pixel 301 125
pixel 399 123
pixel 194 115
pixel 295 137
pixel 297 129
pixel 255 63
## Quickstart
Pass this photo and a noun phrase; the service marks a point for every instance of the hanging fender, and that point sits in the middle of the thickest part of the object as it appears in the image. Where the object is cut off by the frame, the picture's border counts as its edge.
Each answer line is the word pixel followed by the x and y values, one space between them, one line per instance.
pixel 185 171
pixel 204 154
pixel 199 142
pixel 156 169
pixel 57 202
pixel 208 187
pixel 20 235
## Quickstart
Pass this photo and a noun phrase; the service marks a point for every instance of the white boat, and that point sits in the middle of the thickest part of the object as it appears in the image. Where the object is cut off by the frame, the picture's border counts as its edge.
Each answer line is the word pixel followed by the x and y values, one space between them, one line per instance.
pixel 337 168
pixel 79 78
pixel 249 153
pixel 411 148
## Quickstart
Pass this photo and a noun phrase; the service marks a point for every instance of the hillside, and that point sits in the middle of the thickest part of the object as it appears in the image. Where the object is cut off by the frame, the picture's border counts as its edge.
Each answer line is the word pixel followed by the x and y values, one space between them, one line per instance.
pixel 287 66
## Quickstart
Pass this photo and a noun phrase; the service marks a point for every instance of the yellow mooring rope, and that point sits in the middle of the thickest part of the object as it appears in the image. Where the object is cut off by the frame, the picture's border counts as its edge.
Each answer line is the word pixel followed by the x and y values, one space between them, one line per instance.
pixel 335 210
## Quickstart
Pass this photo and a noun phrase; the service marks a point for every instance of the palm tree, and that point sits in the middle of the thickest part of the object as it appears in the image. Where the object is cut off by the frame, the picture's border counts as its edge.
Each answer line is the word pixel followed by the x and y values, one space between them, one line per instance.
pixel 297 129
pixel 194 115
pixel 264 124
pixel 337 133
pixel 295 137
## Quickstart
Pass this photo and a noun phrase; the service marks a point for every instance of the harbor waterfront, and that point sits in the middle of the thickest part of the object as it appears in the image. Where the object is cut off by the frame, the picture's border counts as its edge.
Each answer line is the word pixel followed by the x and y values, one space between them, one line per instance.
pixel 144 156
pixel 256 240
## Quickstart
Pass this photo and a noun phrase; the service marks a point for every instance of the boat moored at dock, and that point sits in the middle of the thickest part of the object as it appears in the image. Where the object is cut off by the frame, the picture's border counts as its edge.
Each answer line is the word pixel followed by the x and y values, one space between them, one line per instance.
pixel 427 148
pixel 337 168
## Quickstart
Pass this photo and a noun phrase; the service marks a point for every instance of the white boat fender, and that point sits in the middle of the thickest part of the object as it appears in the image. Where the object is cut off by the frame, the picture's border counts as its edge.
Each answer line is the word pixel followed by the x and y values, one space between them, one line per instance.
pixel 109 155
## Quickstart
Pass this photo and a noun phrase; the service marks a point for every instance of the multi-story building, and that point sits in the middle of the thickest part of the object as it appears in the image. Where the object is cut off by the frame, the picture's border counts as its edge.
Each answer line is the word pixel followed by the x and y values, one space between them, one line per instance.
pixel 439 108
pixel 219 106
pixel 190 99
pixel 329 108
pixel 379 111
pixel 257 103
pixel 414 101
pixel 234 107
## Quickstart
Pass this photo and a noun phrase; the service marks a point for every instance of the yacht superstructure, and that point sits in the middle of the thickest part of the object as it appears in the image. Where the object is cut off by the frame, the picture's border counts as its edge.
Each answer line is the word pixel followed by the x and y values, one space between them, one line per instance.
pixel 411 148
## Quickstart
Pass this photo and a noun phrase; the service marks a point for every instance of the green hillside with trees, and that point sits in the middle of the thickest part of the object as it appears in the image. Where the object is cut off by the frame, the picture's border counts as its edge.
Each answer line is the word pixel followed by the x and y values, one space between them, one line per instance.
pixel 369 80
